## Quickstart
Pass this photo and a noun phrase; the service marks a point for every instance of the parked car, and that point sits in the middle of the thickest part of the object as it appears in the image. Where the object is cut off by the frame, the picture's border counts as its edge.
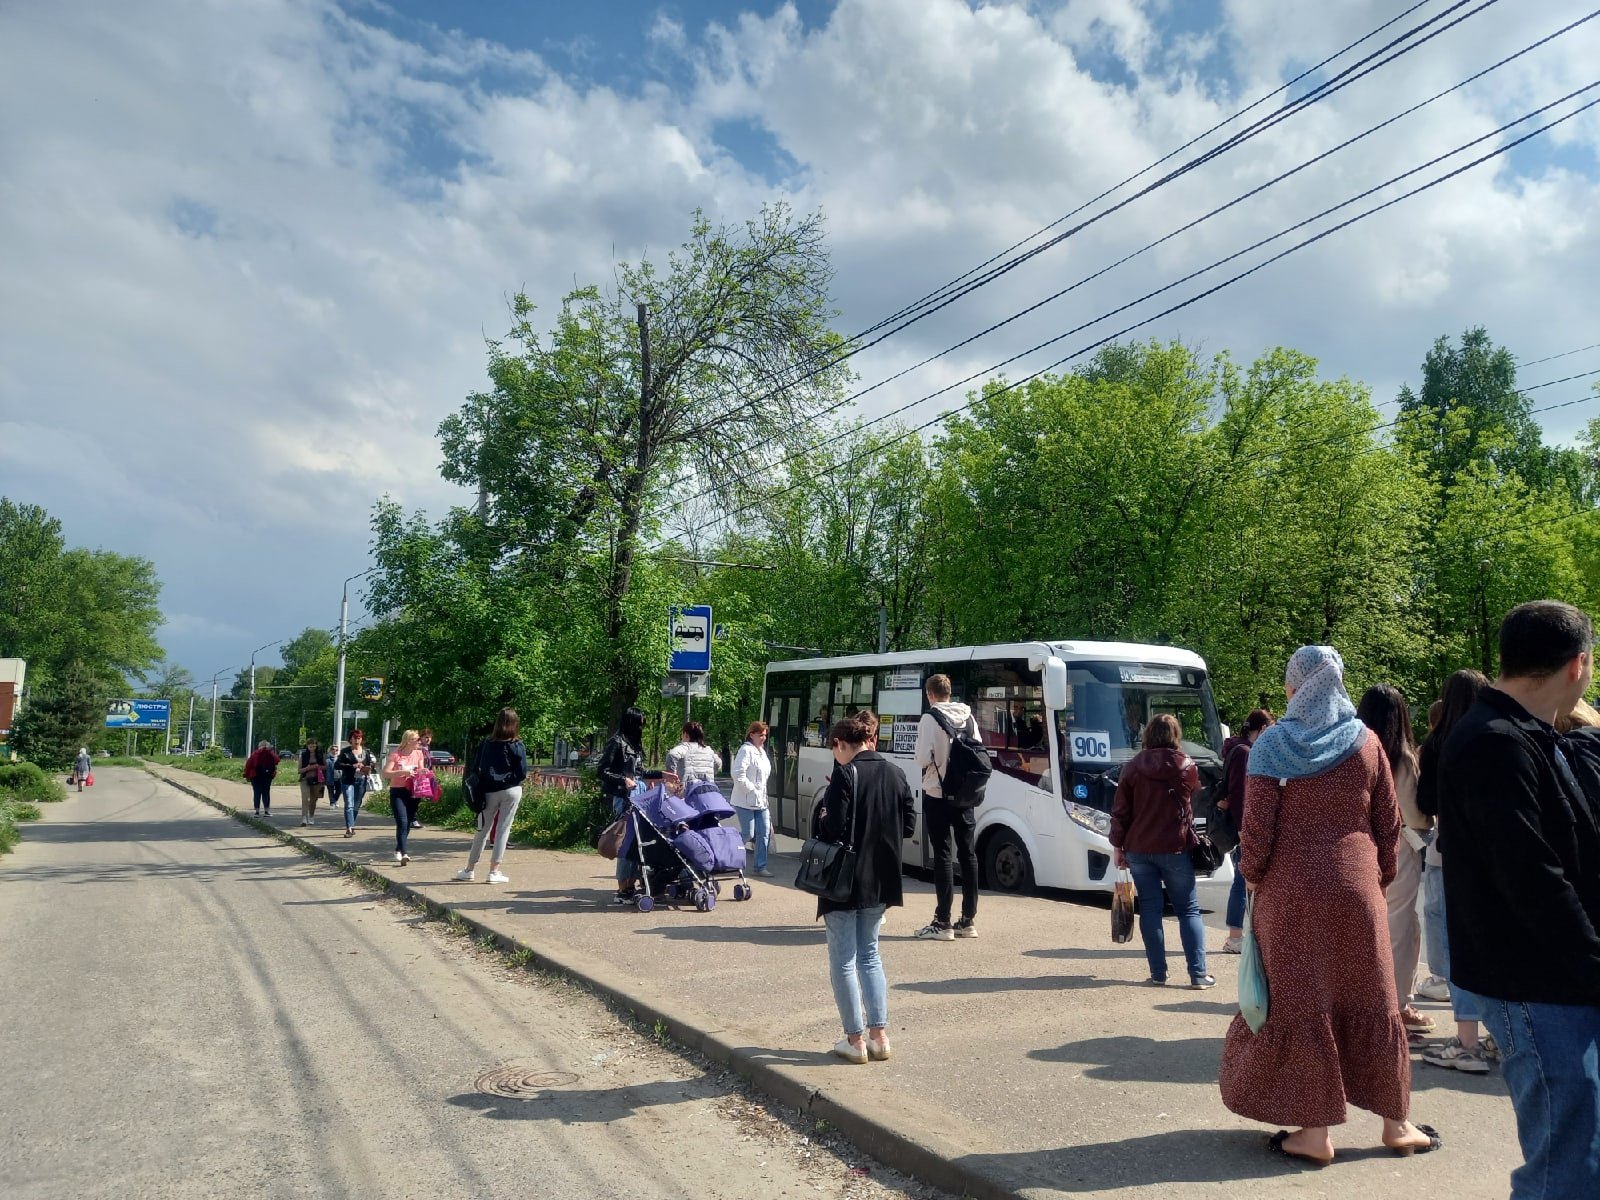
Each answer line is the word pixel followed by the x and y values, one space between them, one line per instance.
pixel 441 758
pixel 286 755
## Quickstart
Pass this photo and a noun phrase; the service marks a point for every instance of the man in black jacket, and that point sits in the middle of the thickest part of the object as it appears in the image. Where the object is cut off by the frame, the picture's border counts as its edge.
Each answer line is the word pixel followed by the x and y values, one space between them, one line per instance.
pixel 1522 894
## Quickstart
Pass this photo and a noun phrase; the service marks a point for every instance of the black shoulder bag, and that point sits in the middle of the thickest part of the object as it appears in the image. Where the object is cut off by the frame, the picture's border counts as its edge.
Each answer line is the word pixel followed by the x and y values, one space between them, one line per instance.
pixel 472 783
pixel 1204 853
pixel 828 869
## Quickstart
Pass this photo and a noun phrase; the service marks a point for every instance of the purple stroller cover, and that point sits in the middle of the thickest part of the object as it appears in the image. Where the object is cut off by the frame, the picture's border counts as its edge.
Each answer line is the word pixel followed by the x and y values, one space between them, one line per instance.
pixel 711 850
pixel 662 809
pixel 707 801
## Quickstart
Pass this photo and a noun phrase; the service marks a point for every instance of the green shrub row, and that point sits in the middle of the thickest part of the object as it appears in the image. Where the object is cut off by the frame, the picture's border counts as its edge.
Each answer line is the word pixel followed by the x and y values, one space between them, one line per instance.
pixel 549 818
pixel 12 811
pixel 27 782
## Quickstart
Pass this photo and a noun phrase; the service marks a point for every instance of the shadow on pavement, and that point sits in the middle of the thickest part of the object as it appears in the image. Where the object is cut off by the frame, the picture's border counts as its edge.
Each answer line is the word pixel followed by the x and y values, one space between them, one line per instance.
pixel 1210 1008
pixel 1180 1156
pixel 1130 1059
pixel 587 1106
pixel 1024 983
pixel 754 935
pixel 1082 952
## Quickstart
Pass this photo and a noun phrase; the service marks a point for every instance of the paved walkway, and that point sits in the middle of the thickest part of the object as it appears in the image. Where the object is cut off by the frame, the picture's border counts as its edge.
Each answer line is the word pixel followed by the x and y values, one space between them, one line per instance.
pixel 1031 1057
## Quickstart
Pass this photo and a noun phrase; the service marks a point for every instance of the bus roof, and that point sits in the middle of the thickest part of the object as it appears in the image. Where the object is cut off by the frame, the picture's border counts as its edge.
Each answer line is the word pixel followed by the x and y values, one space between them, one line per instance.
pixel 1071 651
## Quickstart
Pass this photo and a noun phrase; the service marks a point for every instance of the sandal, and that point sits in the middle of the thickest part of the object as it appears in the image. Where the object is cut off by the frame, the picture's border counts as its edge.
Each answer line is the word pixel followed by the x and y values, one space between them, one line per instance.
pixel 1435 1142
pixel 1415 1020
pixel 1275 1144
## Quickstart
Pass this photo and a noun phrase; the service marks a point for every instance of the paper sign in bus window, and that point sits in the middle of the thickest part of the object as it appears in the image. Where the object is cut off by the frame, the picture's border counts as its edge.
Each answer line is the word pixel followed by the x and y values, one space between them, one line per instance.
pixel 1089 745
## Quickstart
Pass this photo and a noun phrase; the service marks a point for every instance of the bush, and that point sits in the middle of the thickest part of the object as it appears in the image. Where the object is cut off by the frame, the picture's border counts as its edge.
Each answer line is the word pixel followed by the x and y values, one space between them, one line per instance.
pixel 26 781
pixel 549 818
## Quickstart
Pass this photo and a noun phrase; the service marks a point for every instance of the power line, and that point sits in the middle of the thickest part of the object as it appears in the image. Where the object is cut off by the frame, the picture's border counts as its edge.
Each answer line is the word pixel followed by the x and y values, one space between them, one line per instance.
pixel 942 297
pixel 1160 241
pixel 1564 354
pixel 903 435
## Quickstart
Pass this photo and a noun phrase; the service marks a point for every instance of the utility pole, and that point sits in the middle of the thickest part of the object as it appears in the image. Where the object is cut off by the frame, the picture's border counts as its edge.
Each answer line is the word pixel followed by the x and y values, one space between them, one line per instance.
pixel 188 730
pixel 883 629
pixel 250 720
pixel 344 622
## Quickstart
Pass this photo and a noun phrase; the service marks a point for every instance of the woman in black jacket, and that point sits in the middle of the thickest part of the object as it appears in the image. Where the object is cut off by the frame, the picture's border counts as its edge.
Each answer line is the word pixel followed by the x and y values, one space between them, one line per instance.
pixel 502 765
pixel 619 767
pixel 867 806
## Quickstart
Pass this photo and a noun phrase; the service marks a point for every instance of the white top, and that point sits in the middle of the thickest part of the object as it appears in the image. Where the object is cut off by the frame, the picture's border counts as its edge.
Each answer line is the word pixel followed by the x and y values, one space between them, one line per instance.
pixel 933 743
pixel 751 769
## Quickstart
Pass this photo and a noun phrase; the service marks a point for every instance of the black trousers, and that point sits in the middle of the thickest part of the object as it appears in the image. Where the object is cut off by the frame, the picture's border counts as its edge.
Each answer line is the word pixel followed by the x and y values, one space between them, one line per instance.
pixel 950 832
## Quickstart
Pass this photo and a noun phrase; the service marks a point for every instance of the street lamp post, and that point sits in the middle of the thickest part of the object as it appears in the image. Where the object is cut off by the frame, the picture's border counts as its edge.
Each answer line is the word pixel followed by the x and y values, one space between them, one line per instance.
pixel 344 622
pixel 250 720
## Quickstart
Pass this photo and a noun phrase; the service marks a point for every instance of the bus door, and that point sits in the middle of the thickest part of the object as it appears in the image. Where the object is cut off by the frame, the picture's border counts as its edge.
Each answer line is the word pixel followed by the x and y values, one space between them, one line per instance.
pixel 783 744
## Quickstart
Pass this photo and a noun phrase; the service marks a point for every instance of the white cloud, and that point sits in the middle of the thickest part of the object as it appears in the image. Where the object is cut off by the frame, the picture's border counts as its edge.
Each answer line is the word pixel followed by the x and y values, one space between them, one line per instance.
pixel 253 249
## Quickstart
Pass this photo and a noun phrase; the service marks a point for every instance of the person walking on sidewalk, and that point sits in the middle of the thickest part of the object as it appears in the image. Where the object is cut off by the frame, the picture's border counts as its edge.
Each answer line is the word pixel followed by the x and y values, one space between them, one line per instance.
pixel 502 765
pixel 1466 1051
pixel 949 829
pixel 1320 829
pixel 425 744
pixel 404 761
pixel 1522 894
pixel 1383 710
pixel 868 806
pixel 81 767
pixel 259 769
pixel 356 769
pixel 1152 831
pixel 311 776
pixel 1235 770
pixel 751 770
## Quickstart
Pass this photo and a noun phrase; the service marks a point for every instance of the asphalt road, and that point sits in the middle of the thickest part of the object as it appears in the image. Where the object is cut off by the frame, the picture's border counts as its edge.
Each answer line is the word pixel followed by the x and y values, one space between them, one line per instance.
pixel 191 1009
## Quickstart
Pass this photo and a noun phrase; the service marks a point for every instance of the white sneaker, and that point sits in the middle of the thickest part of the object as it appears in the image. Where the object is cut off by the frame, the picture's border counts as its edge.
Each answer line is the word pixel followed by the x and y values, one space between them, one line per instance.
pixel 843 1049
pixel 935 932
pixel 1233 945
pixel 498 877
pixel 1457 1057
pixel 1434 988
pixel 464 876
pixel 399 858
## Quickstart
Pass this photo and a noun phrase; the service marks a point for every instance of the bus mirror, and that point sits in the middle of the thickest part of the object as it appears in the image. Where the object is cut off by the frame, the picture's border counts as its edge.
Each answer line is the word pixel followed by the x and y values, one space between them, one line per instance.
pixel 1055 683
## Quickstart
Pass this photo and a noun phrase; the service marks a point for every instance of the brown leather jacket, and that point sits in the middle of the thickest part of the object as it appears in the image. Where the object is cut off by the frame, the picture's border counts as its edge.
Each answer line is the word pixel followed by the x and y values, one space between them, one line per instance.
pixel 1153 810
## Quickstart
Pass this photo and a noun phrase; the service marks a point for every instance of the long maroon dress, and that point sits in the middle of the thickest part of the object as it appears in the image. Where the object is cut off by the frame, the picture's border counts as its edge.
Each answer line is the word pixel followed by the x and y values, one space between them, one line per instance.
pixel 1320 851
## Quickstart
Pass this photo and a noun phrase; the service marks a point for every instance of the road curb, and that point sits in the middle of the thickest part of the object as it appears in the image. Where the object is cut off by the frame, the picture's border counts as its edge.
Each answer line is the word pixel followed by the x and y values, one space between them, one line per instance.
pixel 930 1159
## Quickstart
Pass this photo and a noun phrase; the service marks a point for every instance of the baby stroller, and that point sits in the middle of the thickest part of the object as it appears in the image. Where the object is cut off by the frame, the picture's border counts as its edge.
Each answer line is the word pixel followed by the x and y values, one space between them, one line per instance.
pixel 681 848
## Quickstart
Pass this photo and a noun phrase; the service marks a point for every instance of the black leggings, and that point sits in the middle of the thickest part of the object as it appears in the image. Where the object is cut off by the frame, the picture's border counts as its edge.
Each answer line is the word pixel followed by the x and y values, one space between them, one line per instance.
pixel 261 793
pixel 404 805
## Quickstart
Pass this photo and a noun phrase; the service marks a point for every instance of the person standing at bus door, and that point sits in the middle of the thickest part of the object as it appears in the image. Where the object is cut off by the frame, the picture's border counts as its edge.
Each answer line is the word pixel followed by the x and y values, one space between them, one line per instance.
pixel 404 761
pixel 1152 831
pixel 950 829
pixel 1319 835
pixel 867 804
pixel 1235 760
pixel 259 769
pixel 751 770
pixel 691 759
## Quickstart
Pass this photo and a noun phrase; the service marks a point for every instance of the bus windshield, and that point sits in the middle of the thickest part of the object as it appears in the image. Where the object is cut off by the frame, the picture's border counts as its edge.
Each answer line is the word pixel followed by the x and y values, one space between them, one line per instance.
pixel 1109 704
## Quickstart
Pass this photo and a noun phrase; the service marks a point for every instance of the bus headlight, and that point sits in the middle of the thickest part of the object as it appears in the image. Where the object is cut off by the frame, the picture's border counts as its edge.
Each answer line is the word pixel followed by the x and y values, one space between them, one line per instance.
pixel 1091 819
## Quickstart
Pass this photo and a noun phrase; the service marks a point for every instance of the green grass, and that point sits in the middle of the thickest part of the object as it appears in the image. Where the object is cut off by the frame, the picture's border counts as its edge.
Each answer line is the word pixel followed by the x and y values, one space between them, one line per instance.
pixel 25 781
pixel 12 812
pixel 120 760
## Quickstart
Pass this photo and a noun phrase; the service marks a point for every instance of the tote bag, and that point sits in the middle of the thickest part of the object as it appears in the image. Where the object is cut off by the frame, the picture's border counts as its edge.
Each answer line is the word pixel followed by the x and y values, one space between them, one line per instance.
pixel 1252 974
pixel 828 869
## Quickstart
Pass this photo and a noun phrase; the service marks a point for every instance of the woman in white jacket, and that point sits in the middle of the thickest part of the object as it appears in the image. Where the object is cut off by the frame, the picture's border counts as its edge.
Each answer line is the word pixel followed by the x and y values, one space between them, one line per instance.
pixel 751 766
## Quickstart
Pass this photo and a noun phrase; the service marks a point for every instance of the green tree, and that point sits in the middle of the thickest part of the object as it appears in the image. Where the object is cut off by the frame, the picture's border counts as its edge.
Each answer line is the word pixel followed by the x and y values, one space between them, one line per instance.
pixel 52 727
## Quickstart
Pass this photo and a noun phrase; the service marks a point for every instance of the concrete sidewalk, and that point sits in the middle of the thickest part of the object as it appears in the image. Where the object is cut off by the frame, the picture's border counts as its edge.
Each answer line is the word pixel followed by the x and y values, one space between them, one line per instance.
pixel 1029 1061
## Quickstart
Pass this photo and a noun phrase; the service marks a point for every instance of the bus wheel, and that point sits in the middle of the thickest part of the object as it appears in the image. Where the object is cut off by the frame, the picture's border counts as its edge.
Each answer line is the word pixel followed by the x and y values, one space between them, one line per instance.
pixel 1006 865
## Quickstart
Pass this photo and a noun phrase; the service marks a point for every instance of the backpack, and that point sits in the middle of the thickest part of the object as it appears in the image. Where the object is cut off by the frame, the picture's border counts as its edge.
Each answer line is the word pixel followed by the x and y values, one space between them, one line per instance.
pixel 968 768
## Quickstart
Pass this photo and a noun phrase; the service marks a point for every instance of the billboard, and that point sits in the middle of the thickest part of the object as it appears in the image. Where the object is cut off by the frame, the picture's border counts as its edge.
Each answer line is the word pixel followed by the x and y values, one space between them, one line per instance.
pixel 138 714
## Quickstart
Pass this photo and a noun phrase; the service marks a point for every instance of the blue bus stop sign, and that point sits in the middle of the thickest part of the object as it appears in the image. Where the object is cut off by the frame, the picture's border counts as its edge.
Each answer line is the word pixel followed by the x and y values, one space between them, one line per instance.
pixel 689 636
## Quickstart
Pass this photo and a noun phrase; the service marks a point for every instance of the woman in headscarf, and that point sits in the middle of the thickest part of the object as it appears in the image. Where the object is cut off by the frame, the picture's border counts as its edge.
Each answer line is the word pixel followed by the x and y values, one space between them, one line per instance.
pixel 1318 848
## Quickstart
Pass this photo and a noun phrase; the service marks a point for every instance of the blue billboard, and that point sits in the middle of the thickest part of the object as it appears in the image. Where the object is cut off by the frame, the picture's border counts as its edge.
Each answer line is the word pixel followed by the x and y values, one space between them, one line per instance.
pixel 138 714
pixel 689 636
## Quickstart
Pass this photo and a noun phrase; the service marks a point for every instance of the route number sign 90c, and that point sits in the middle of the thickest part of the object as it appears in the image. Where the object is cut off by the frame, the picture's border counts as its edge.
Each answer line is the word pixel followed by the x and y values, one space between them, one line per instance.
pixel 1090 745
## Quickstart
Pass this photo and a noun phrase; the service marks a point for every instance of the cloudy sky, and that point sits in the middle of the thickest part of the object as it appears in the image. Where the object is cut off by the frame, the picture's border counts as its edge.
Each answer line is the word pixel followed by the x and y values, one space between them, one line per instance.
pixel 252 248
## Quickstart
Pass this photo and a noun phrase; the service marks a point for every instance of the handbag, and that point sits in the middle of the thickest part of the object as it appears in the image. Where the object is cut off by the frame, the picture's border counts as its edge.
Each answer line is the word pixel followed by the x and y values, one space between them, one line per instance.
pixel 1204 853
pixel 610 844
pixel 1122 907
pixel 472 792
pixel 1253 998
pixel 828 869
pixel 424 785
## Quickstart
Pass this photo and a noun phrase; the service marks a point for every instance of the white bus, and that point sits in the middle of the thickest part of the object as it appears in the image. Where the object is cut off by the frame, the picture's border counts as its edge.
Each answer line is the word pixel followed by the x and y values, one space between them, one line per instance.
pixel 1059 720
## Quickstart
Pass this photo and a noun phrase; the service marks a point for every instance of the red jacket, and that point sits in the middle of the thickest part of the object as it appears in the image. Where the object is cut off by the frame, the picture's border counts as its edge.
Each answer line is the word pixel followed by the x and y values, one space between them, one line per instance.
pixel 1153 812
pixel 267 758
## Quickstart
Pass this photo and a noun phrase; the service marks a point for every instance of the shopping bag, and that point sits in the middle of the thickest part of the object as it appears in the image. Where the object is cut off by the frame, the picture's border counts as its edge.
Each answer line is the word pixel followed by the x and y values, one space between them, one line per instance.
pixel 1122 907
pixel 424 786
pixel 1252 974
pixel 88 780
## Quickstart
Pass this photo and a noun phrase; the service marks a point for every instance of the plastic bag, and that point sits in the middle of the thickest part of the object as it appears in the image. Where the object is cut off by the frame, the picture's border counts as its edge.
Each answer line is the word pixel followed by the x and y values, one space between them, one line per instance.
pixel 1252 973
pixel 1122 907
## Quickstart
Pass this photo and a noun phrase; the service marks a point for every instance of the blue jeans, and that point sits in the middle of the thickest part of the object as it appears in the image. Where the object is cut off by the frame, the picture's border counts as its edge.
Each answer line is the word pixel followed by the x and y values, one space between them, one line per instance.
pixel 1550 1057
pixel 855 969
pixel 1464 1005
pixel 756 823
pixel 404 806
pixel 627 872
pixel 1152 872
pixel 1236 897
pixel 353 794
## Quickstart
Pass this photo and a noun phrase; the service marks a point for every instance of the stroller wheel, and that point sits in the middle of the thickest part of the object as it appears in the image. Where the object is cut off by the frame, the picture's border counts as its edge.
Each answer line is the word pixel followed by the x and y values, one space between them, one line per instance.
pixel 702 900
pixel 645 902
pixel 711 901
pixel 741 891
